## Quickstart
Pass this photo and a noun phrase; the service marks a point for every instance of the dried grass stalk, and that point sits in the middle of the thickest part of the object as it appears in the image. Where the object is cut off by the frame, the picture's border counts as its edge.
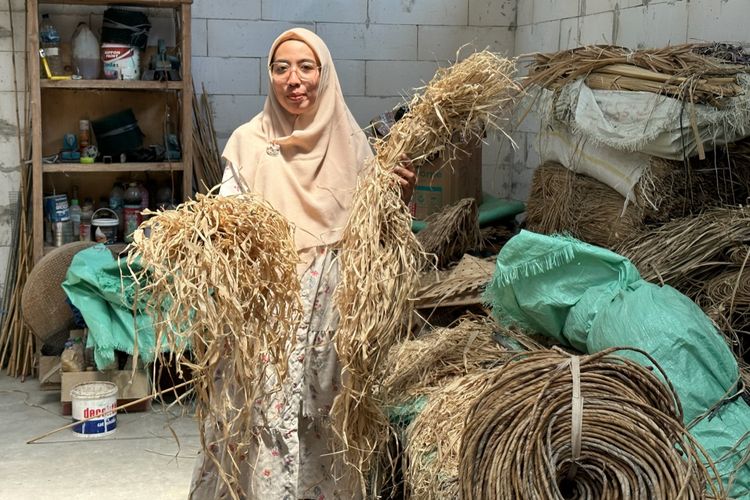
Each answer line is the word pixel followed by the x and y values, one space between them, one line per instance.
pixel 562 201
pixel 417 367
pixel 380 256
pixel 518 443
pixel 451 232
pixel 220 277
pixel 467 278
pixel 433 439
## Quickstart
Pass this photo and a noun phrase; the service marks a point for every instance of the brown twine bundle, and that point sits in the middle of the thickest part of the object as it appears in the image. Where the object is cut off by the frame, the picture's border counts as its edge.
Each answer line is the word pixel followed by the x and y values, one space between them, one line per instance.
pixel 451 232
pixel 379 254
pixel 219 275
pixel 562 201
pixel 592 427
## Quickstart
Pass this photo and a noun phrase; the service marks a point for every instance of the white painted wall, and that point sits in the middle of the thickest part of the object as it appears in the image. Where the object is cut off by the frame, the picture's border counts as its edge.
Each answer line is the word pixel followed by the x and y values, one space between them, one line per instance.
pixel 552 25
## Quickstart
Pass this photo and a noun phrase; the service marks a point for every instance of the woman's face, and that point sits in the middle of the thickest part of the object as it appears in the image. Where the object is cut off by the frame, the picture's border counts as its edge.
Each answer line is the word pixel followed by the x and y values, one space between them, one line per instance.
pixel 295 74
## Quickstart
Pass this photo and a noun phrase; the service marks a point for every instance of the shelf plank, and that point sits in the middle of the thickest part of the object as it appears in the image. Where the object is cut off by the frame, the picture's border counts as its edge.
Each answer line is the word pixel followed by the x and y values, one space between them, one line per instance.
pixel 149 3
pixel 110 85
pixel 112 167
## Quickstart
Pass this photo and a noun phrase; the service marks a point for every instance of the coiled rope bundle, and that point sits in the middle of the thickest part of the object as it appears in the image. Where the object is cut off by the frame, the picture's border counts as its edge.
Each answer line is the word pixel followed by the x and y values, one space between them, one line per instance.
pixel 555 426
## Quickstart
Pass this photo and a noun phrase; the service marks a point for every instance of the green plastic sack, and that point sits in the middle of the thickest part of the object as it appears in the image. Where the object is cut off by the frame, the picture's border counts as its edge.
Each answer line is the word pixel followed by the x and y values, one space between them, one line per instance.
pixel 591 299
pixel 102 288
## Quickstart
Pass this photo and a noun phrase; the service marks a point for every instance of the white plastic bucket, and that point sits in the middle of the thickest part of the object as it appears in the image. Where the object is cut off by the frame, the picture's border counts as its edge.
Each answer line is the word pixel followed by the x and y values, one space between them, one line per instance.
pixel 121 62
pixel 105 228
pixel 98 400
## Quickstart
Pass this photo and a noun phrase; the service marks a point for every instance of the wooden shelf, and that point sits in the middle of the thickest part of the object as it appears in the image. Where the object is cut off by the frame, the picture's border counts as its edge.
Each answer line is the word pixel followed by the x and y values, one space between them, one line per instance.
pixel 110 85
pixel 51 168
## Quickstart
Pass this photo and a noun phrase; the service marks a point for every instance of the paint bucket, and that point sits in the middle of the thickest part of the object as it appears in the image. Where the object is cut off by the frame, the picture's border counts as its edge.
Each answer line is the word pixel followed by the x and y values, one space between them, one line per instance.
pixel 105 228
pixel 121 62
pixel 97 400
pixel 133 219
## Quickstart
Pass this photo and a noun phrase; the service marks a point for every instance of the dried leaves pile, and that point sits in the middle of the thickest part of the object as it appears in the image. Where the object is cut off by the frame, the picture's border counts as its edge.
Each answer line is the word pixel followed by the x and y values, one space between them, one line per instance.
pixel 220 279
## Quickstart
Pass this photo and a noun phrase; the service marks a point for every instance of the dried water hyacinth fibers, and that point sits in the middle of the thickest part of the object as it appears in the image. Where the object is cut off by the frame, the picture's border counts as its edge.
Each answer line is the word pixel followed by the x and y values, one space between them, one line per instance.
pixel 417 367
pixel 676 70
pixel 467 278
pixel 433 439
pixel 685 252
pixel 451 232
pixel 562 201
pixel 219 274
pixel 726 300
pixel 380 256
pixel 598 427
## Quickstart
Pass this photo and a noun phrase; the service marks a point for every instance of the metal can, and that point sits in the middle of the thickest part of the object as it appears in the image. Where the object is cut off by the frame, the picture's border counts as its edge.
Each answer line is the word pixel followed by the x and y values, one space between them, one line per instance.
pixel 57 234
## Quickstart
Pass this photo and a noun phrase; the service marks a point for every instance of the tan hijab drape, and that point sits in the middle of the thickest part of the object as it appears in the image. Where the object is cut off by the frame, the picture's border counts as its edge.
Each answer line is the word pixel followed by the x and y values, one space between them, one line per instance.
pixel 312 180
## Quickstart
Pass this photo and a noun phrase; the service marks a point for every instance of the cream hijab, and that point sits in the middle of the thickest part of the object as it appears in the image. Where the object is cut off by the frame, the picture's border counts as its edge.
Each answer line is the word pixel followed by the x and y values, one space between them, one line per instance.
pixel 311 177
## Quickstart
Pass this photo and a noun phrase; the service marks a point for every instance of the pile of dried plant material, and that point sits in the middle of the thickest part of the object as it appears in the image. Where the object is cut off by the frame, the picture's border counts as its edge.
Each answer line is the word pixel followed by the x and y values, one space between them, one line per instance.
pixel 220 278
pixel 561 201
pixel 463 284
pixel 726 300
pixel 380 256
pixel 433 438
pixel 600 426
pixel 451 232
pixel 419 366
pixel 678 71
pixel 685 252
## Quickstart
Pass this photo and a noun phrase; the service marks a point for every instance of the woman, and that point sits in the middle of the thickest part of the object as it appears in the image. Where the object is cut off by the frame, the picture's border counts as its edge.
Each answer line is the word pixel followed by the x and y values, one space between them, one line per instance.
pixel 303 154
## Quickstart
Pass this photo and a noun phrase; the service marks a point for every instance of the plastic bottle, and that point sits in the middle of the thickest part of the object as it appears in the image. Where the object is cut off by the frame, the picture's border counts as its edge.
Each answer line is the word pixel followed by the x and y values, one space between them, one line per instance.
pixel 75 216
pixel 84 135
pixel 116 203
pixel 133 195
pixel 86 59
pixel 144 196
pixel 87 210
pixel 49 40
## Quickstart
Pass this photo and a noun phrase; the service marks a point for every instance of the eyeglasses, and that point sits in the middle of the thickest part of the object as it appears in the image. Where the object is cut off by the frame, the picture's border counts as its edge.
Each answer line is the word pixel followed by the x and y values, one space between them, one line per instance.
pixel 305 70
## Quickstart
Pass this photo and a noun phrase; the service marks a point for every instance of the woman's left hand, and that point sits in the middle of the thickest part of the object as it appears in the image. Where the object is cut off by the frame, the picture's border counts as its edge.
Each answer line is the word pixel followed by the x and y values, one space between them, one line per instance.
pixel 407 177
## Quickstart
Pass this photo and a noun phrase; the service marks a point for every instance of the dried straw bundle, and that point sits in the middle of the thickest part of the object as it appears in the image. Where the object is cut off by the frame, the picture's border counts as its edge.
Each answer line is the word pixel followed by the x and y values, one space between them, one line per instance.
pixel 220 277
pixel 380 255
pixel 417 367
pixel 676 70
pixel 562 201
pixel 726 300
pixel 616 433
pixel 451 232
pixel 433 439
pixel 467 279
pixel 685 252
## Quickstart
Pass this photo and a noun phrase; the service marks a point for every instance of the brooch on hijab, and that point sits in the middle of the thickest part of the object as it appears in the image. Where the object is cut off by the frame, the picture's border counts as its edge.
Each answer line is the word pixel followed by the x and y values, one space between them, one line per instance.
pixel 273 149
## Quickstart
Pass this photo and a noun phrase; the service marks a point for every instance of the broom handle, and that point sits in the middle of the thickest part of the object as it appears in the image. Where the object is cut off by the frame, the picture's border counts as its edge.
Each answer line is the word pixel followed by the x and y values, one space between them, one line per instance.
pixel 121 407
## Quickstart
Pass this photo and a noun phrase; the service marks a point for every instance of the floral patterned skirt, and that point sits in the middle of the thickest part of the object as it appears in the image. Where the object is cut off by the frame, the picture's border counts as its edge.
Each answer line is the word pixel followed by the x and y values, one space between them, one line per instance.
pixel 290 457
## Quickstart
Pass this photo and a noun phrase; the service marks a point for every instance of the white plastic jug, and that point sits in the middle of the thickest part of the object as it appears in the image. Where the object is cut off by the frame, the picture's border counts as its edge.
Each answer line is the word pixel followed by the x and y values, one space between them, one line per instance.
pixel 86 59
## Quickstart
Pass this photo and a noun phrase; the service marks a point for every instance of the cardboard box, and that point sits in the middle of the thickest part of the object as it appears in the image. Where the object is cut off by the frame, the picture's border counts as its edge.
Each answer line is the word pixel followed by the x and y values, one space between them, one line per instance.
pixel 439 185
pixel 49 372
pixel 128 390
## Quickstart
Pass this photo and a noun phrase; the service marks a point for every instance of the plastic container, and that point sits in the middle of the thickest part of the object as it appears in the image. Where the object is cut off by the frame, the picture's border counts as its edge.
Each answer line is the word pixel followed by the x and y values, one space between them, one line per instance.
pixel 98 401
pixel 144 196
pixel 121 62
pixel 105 228
pixel 133 195
pixel 118 133
pixel 49 40
pixel 86 61
pixel 125 27
pixel 75 217
pixel 87 210
pixel 133 219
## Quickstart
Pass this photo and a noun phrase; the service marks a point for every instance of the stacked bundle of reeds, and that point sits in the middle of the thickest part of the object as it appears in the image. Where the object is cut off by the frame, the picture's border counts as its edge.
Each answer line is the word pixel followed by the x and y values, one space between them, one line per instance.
pixel 207 165
pixel 680 71
pixel 451 232
pixel 550 425
pixel 563 202
pixel 380 256
pixel 219 277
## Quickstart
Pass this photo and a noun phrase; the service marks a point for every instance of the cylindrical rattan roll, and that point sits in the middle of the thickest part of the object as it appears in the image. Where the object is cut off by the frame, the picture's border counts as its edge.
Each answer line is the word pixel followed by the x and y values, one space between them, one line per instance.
pixel 518 441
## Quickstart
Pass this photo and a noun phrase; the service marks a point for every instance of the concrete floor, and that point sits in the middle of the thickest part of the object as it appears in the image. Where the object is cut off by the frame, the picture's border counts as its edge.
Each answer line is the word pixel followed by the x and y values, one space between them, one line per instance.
pixel 141 459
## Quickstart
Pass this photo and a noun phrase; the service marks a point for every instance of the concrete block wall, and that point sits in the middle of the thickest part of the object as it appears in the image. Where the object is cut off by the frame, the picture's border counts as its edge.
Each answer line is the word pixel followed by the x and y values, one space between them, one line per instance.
pixel 552 25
